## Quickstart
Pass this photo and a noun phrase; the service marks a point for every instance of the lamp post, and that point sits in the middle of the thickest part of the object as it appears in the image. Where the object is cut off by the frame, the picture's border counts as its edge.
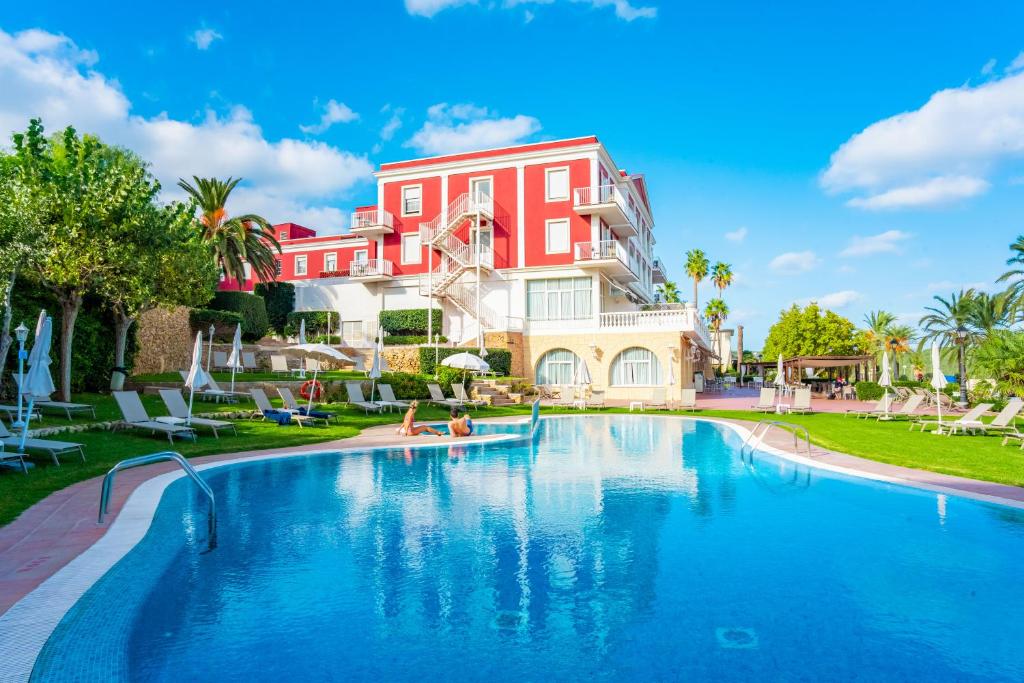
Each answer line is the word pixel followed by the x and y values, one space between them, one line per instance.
pixel 209 353
pixel 961 342
pixel 21 334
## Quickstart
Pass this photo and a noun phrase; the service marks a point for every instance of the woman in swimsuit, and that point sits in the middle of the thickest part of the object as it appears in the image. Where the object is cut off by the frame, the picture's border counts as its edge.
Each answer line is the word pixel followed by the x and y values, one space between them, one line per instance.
pixel 409 426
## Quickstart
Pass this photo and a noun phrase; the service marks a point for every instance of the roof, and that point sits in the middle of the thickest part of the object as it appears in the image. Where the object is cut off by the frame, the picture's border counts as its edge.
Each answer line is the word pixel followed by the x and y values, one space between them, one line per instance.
pixel 489 153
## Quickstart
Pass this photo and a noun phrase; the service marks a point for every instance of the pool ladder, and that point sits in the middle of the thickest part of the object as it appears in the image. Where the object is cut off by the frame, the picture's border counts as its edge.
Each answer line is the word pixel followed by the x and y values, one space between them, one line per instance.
pixel 163 456
pixel 754 439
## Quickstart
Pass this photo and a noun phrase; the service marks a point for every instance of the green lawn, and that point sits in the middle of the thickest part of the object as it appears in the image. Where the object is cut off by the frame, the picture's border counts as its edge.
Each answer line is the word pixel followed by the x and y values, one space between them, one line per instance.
pixel 978 457
pixel 223 377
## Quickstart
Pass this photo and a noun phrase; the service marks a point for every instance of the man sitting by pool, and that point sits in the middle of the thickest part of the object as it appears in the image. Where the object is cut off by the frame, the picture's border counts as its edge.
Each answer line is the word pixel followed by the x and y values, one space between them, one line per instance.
pixel 459 426
pixel 409 426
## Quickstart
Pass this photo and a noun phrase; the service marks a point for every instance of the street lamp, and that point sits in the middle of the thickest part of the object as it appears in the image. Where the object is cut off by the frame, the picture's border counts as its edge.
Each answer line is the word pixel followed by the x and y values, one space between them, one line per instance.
pixel 961 342
pixel 21 334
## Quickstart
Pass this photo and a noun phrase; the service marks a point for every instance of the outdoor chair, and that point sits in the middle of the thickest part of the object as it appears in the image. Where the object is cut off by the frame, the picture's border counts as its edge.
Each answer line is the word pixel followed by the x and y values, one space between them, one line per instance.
pixel 14 455
pixel 54 448
pixel 279 363
pixel 968 420
pixel 566 395
pixel 659 398
pixel 293 406
pixel 687 399
pixel 1002 422
pixel 219 394
pixel 178 410
pixel 883 406
pixel 908 409
pixel 313 365
pixel 766 400
pixel 42 403
pixel 265 411
pixel 437 397
pixel 387 397
pixel 596 399
pixel 12 412
pixel 135 416
pixel 801 401
pixel 355 398
pixel 220 360
pixel 249 361
pixel 462 396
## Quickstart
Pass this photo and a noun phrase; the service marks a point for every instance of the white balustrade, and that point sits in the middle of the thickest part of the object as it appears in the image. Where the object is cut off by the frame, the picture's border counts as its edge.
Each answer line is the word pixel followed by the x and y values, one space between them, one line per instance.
pixel 375 267
pixel 371 218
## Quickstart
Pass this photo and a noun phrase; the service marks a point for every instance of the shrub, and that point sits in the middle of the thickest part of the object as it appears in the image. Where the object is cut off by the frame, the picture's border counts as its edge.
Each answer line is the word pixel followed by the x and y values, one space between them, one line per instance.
pixel 399 340
pixel 255 324
pixel 500 360
pixel 409 321
pixel 316 322
pixel 323 339
pixel 446 377
pixel 279 298
pixel 224 322
pixel 405 385
pixel 869 391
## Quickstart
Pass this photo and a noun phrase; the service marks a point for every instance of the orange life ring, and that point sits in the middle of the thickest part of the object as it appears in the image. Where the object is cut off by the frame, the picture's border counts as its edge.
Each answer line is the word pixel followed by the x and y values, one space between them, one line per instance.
pixel 312 386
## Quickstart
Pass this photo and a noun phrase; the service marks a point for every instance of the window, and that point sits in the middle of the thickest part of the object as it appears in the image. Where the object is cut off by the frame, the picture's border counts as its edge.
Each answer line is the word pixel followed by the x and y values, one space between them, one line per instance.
pixel 247 271
pixel 636 367
pixel 411 252
pixel 330 262
pixel 412 200
pixel 283 235
pixel 352 330
pixel 277 266
pixel 557 236
pixel 566 298
pixel 556 181
pixel 557 366
pixel 300 265
pixel 480 188
pixel 360 255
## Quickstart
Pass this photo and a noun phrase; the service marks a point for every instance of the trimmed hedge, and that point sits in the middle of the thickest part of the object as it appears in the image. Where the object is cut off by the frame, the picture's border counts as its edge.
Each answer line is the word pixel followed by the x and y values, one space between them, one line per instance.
pixel 255 323
pixel 409 321
pixel 869 391
pixel 224 322
pixel 279 298
pixel 500 360
pixel 399 340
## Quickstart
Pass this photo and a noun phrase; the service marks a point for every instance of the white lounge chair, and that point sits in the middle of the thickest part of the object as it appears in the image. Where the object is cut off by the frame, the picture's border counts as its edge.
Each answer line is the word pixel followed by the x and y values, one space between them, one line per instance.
pixel 220 360
pixel 249 361
pixel 135 415
pixel 279 363
pixel 801 401
pixel 968 421
pixel 883 406
pixel 313 365
pixel 766 400
pixel 355 397
pixel 265 410
pixel 293 407
pixel 658 398
pixel 596 399
pixel 1002 422
pixel 687 399
pixel 178 410
pixel 387 397
pixel 437 396
pixel 908 409
pixel 462 397
pixel 54 448
pixel 566 395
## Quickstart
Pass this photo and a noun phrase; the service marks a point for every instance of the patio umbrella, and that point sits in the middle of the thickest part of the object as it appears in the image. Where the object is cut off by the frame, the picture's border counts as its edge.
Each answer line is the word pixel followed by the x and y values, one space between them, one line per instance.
pixel 465 362
pixel 196 378
pixel 780 378
pixel 302 341
pixel 318 352
pixel 235 359
pixel 38 381
pixel 885 380
pixel 938 381
pixel 582 376
pixel 377 368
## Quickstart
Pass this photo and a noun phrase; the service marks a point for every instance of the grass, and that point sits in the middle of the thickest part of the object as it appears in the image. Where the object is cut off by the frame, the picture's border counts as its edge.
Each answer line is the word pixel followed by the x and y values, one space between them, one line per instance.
pixel 222 377
pixel 975 457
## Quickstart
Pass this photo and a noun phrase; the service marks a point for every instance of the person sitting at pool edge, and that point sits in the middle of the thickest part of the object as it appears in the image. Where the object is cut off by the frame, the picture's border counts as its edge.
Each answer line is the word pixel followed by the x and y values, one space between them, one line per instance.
pixel 459 426
pixel 409 426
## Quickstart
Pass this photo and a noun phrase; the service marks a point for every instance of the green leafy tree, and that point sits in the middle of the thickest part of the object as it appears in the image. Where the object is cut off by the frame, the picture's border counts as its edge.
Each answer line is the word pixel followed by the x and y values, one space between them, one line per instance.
pixel 696 269
pixel 944 323
pixel 721 277
pixel 669 292
pixel 990 312
pixel 1001 357
pixel 876 335
pixel 715 312
pixel 810 331
pixel 234 241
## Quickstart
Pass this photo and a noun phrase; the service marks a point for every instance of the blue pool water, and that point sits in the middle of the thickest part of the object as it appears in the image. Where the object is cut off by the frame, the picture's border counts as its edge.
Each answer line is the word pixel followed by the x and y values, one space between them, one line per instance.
pixel 613 548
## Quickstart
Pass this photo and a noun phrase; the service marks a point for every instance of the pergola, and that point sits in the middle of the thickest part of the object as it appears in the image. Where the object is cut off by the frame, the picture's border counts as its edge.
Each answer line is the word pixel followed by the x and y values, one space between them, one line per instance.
pixel 794 366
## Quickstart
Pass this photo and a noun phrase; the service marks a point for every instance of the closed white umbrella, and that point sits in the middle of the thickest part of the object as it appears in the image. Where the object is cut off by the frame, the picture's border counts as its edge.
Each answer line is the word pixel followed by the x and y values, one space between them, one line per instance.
pixel 302 342
pixel 38 381
pixel 938 381
pixel 671 378
pixel 196 378
pixel 582 376
pixel 780 378
pixel 377 368
pixel 885 380
pixel 318 352
pixel 235 359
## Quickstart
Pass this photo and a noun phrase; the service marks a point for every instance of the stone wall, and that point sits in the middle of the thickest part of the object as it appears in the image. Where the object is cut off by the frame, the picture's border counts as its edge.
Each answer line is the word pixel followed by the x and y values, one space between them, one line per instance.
pixel 513 341
pixel 402 358
pixel 165 341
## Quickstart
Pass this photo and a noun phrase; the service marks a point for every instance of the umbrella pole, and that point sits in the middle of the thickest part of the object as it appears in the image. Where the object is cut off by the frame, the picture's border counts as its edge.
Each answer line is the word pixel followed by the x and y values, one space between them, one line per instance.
pixel 312 390
pixel 191 394
pixel 28 418
pixel 938 405
pixel 233 368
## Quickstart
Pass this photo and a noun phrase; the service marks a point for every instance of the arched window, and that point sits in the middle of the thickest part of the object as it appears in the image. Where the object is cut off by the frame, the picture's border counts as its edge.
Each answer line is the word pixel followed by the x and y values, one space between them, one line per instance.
pixel 557 366
pixel 636 367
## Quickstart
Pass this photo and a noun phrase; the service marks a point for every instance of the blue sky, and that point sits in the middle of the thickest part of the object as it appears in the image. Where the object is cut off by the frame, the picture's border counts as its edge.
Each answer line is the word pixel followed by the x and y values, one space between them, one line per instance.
pixel 766 133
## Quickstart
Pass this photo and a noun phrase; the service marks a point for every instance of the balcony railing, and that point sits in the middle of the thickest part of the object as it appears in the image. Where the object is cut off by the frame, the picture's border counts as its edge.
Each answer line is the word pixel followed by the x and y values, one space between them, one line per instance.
pixel 601 251
pixel 611 204
pixel 375 267
pixel 676 320
pixel 372 220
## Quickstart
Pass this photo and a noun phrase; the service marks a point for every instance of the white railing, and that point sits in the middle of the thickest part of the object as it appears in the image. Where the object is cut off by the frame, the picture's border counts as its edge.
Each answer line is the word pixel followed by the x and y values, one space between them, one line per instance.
pixel 464 296
pixel 372 218
pixel 460 207
pixel 606 194
pixel 598 251
pixel 678 320
pixel 375 267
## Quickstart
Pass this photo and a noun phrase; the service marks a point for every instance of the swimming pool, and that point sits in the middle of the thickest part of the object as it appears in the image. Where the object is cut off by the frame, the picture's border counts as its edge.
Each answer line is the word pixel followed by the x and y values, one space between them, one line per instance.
pixel 611 548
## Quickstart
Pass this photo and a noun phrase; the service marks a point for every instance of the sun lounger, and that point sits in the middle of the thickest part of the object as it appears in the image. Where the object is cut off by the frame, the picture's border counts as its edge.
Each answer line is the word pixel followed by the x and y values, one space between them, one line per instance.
pixel 266 411
pixel 880 408
pixel 220 360
pixel 908 409
pixel 178 410
pixel 766 400
pixel 135 416
pixel 12 412
pixel 968 420
pixel 801 401
pixel 13 455
pixel 54 448
pixel 214 392
pixel 596 399
pixel 658 398
pixel 43 403
pixel 355 397
pixel 387 397
pixel 293 406
pixel 687 399
pixel 566 395
pixel 249 361
pixel 279 363
pixel 1002 422
pixel 459 390
pixel 437 396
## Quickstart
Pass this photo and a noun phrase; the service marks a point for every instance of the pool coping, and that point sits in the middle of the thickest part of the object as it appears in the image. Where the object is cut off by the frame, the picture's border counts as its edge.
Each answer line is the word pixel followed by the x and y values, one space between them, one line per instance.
pixel 28 624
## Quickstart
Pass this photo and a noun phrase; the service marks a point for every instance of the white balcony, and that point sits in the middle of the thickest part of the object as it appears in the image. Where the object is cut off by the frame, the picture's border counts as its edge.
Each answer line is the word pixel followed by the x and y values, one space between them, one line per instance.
pixel 659 276
pixel 372 223
pixel 608 202
pixel 684 320
pixel 372 270
pixel 609 256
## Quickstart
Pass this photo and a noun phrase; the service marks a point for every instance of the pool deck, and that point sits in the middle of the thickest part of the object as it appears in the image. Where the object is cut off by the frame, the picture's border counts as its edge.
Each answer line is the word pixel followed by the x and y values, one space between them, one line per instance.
pixel 54 531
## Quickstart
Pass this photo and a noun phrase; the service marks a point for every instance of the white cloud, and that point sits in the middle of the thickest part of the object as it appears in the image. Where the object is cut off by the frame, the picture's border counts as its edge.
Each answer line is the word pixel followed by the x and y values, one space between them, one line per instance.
pixel 835 299
pixel 988 67
pixel 334 112
pixel 393 124
pixel 44 76
pixel 1017 64
pixel 882 243
pixel 794 262
pixel 737 235
pixel 464 127
pixel 942 152
pixel 204 37
pixel 947 286
pixel 624 9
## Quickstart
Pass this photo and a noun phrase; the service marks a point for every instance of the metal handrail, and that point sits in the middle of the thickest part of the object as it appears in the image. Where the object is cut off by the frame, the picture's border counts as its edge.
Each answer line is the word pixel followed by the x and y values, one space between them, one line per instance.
pixel 768 424
pixel 108 485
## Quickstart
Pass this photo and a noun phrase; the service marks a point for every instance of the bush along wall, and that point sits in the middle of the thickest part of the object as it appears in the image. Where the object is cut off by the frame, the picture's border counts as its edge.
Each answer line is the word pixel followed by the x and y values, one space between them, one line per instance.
pixel 409 321
pixel 500 360
pixel 401 340
pixel 279 298
pixel 255 324
pixel 316 322
pixel 869 391
pixel 224 322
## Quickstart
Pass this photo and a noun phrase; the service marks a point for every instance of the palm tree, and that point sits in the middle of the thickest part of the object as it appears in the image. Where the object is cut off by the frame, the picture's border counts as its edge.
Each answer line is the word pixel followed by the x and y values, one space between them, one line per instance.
pixel 876 333
pixel 990 312
pixel 716 311
pixel 721 277
pixel 248 238
pixel 1015 276
pixel 898 341
pixel 949 323
pixel 669 292
pixel 696 268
